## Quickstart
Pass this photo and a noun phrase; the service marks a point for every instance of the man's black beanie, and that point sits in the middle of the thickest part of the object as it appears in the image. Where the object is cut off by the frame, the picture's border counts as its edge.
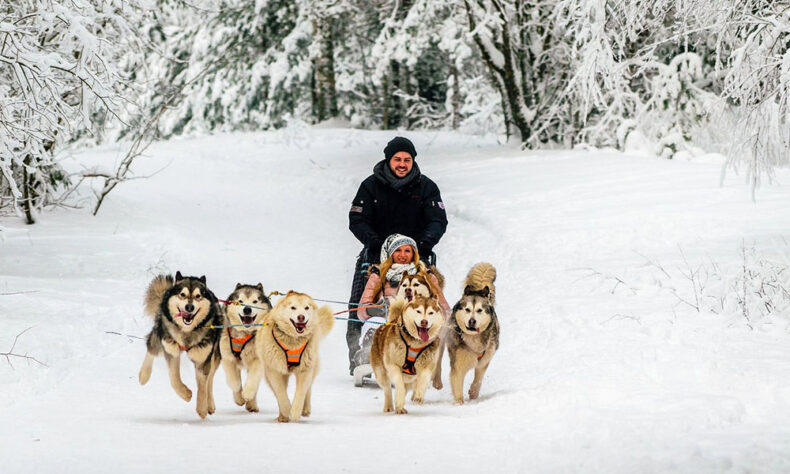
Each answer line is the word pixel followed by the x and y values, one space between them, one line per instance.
pixel 399 144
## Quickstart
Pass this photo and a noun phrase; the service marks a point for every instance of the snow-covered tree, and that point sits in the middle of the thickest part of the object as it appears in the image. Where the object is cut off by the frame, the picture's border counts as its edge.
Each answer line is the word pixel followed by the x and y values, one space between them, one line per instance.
pixel 58 66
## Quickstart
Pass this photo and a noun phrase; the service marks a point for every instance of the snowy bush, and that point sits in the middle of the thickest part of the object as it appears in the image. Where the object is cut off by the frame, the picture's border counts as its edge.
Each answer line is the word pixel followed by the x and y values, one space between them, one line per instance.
pixel 677 103
pixel 755 288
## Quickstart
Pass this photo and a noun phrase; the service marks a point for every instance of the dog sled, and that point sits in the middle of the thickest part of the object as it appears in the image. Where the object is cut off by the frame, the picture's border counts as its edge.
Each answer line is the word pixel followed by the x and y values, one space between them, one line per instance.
pixel 362 270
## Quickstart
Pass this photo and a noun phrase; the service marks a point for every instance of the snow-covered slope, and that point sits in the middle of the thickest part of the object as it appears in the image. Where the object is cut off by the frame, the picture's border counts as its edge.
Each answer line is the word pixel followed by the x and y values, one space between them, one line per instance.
pixel 602 366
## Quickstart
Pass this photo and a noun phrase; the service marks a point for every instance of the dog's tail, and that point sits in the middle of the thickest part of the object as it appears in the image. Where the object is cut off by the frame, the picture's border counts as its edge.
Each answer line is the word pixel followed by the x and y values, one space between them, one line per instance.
pixel 480 276
pixel 326 320
pixel 155 292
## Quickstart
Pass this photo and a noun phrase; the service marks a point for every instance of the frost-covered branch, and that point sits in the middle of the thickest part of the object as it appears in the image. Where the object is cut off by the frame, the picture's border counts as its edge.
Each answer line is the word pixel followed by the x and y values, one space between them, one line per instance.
pixel 59 66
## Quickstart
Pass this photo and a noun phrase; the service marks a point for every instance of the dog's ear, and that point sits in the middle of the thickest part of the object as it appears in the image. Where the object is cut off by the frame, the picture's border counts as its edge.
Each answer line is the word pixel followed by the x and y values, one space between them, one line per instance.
pixel 404 275
pixel 468 290
pixel 484 292
pixel 202 279
pixel 259 286
pixel 238 285
pixel 178 276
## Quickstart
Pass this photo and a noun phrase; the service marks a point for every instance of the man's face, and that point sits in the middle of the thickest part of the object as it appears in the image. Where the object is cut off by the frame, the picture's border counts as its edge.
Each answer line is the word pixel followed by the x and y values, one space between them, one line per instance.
pixel 401 163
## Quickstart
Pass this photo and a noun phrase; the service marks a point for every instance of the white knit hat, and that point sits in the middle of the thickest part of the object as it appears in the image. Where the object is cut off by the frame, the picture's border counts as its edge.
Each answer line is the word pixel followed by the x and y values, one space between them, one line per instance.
pixel 393 242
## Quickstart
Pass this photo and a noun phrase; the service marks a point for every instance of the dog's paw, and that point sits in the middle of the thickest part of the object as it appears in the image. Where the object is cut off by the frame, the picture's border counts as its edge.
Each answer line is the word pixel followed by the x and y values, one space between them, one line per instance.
pixel 249 393
pixel 305 411
pixel 417 400
pixel 211 407
pixel 401 411
pixel 144 376
pixel 437 384
pixel 252 406
pixel 474 392
pixel 458 401
pixel 185 393
pixel 283 419
pixel 238 399
pixel 295 415
pixel 202 412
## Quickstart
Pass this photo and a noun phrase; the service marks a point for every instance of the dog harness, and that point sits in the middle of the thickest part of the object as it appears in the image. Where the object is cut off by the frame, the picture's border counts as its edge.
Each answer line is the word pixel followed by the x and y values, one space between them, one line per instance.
pixel 411 356
pixel 292 356
pixel 480 355
pixel 237 344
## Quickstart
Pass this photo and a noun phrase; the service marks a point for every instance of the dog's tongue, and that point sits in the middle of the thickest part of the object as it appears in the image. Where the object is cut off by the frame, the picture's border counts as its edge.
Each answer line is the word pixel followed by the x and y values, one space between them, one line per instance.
pixel 183 314
pixel 423 333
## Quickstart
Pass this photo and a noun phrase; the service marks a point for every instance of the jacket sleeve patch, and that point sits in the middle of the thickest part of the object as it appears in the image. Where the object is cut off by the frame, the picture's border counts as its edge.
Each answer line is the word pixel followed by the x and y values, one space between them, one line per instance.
pixel 356 209
pixel 440 204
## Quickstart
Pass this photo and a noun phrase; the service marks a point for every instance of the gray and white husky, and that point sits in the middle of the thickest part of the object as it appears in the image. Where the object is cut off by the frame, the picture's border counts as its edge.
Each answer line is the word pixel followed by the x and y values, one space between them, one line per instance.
pixel 473 332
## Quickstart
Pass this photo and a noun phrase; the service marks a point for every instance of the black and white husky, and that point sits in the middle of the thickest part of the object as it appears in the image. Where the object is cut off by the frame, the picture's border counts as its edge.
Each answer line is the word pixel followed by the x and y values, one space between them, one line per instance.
pixel 184 310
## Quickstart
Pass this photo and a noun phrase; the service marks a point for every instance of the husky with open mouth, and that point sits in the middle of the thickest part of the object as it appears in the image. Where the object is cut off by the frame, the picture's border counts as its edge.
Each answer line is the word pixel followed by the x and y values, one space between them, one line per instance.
pixel 426 285
pixel 288 345
pixel 473 333
pixel 184 310
pixel 244 314
pixel 406 350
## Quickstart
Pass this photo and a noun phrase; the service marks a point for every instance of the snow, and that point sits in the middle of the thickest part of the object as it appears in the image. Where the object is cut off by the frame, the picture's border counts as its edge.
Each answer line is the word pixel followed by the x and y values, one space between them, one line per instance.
pixel 592 374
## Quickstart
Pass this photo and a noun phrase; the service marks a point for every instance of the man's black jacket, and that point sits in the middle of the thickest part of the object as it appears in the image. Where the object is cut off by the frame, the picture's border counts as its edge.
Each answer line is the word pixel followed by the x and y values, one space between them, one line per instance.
pixel 386 204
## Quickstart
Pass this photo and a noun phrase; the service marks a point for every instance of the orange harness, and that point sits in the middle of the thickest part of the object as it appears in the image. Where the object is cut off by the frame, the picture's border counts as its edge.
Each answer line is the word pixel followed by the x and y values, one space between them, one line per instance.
pixel 411 356
pixel 237 344
pixel 292 356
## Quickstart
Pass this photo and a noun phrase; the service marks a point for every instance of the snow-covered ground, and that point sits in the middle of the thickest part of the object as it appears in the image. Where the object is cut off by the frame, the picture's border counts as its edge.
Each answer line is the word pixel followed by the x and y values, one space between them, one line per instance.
pixel 602 367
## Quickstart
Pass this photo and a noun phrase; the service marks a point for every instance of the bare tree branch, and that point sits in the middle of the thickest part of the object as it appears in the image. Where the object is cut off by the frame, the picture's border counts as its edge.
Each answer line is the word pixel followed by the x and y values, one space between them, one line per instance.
pixel 10 353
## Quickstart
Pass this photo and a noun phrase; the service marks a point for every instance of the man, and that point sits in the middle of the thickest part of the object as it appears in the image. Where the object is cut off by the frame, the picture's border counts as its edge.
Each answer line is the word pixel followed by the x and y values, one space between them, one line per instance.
pixel 396 198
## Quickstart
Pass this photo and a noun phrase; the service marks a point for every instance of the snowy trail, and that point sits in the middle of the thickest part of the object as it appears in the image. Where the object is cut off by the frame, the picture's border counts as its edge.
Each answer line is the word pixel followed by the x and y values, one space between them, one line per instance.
pixel 589 377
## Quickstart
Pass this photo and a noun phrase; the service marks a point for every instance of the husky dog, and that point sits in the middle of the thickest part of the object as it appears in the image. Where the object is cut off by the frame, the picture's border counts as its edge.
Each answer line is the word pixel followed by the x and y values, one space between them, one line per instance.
pixel 184 310
pixel 405 351
pixel 288 345
pixel 243 316
pixel 412 286
pixel 473 333
pixel 421 284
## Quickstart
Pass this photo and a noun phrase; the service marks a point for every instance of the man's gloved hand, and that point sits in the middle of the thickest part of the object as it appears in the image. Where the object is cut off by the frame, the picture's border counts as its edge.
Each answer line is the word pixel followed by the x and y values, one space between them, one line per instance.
pixel 424 249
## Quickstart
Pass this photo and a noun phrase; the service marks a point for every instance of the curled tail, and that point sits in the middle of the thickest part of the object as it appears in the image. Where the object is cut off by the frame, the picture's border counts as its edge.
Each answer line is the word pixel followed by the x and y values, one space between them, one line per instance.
pixel 326 320
pixel 155 292
pixel 480 276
